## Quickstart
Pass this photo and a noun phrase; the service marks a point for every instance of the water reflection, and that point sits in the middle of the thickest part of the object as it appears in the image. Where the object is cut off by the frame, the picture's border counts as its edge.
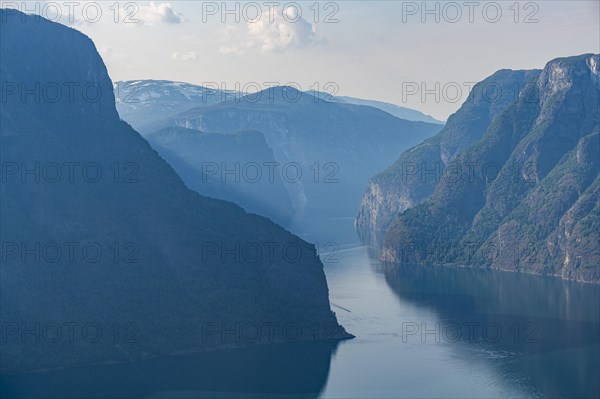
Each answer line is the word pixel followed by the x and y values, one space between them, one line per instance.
pixel 542 331
pixel 520 336
pixel 298 370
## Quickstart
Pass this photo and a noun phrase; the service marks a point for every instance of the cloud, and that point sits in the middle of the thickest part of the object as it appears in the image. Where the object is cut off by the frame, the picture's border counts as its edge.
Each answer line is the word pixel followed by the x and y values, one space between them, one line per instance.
pixel 115 59
pixel 110 54
pixel 271 33
pixel 189 38
pixel 189 56
pixel 70 16
pixel 154 14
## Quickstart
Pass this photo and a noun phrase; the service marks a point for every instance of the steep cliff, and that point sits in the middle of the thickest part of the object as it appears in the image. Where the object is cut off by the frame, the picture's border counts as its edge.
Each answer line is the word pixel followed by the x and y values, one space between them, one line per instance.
pixel 106 255
pixel 413 177
pixel 525 196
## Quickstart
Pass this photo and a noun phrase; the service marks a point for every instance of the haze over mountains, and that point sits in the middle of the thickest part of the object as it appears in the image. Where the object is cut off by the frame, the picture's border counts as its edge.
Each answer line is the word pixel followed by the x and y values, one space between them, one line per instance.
pixel 167 239
pixel 161 239
pixel 393 109
pixel 523 196
pixel 326 151
pixel 237 167
pixel 165 260
pixel 145 104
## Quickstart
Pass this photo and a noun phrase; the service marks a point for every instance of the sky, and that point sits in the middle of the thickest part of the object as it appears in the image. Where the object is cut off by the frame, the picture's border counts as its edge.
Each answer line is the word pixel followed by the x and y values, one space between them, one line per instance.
pixel 421 55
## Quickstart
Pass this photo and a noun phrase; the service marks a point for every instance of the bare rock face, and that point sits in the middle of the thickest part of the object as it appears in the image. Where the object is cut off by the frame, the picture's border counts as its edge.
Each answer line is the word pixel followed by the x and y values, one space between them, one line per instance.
pixel 414 176
pixel 538 213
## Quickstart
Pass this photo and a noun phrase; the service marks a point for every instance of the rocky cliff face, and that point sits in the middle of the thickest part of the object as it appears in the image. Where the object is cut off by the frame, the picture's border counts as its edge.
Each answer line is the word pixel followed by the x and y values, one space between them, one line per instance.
pixel 531 201
pixel 414 176
pixel 106 255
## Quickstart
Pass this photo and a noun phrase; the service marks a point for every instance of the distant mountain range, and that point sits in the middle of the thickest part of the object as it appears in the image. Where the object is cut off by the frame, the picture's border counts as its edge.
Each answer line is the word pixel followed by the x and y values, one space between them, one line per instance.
pixel 393 109
pixel 220 166
pixel 396 110
pixel 114 240
pixel 325 150
pixel 145 104
pixel 518 186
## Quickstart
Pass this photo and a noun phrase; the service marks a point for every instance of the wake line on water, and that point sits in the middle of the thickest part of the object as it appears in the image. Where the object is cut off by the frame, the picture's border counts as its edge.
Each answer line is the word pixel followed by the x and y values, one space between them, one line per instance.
pixel 341 307
pixel 346 250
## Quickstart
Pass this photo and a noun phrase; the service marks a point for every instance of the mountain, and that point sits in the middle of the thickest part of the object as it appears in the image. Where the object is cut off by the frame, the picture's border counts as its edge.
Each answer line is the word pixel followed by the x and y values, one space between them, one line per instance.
pixel 531 199
pixel 147 104
pixel 236 167
pixel 396 110
pixel 327 151
pixel 106 255
pixel 317 179
pixel 393 109
pixel 413 177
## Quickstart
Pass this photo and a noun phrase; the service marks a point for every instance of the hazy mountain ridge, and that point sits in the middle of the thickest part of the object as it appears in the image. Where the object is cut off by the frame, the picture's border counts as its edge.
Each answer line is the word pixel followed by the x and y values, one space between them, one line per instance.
pixel 393 109
pixel 152 105
pixel 538 215
pixel 236 167
pixel 170 286
pixel 147 104
pixel 398 111
pixel 336 146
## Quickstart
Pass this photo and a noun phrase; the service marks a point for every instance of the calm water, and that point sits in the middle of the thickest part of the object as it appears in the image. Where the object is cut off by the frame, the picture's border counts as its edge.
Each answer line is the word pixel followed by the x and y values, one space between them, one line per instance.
pixel 421 332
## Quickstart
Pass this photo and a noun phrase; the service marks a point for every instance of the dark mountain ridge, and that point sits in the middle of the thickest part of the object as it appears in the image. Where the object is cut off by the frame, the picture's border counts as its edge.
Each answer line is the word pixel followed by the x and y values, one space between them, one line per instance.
pixel 169 268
